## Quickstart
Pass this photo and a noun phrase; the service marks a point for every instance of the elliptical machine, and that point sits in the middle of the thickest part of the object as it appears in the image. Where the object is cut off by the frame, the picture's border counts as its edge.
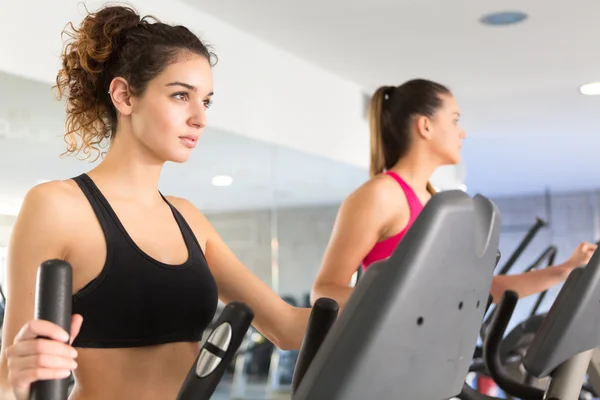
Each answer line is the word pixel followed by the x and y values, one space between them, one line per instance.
pixel 515 344
pixel 563 345
pixel 410 327
pixel 518 340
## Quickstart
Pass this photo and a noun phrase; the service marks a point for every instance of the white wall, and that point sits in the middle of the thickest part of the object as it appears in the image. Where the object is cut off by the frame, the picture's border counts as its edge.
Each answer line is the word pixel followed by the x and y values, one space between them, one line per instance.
pixel 3 268
pixel 6 224
pixel 261 91
pixel 449 177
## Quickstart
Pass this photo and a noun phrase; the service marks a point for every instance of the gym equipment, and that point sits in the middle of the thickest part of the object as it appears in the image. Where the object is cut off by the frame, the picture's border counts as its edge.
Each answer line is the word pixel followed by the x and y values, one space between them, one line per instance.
pixel 563 345
pixel 525 242
pixel 53 303
pixel 54 285
pixel 514 345
pixel 520 337
pixel 550 254
pixel 410 327
pixel 217 353
pixel 535 228
pixel 322 317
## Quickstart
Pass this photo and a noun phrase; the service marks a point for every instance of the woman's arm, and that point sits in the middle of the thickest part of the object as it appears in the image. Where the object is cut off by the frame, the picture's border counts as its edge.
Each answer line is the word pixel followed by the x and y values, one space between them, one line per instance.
pixel 281 323
pixel 529 283
pixel 362 220
pixel 537 281
pixel 40 233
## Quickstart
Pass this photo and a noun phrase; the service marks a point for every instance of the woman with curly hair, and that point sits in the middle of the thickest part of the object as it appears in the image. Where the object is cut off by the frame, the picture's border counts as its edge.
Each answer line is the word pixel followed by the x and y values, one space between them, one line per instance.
pixel 148 269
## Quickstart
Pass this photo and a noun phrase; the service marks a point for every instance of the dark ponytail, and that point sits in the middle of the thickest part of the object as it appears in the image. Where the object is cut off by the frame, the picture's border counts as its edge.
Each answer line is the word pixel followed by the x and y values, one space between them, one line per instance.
pixel 390 114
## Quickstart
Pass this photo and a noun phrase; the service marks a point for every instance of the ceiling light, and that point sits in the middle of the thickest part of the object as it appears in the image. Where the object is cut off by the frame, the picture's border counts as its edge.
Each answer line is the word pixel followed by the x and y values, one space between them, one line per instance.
pixel 462 187
pixel 590 89
pixel 222 180
pixel 503 18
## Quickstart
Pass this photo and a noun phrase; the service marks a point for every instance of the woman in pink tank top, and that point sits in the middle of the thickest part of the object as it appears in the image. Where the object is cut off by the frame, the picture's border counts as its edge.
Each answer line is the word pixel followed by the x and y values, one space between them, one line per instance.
pixel 414 130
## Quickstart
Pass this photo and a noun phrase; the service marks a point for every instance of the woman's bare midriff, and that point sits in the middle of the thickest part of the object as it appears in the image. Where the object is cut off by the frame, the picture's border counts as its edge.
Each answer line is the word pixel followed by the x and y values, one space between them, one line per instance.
pixel 145 373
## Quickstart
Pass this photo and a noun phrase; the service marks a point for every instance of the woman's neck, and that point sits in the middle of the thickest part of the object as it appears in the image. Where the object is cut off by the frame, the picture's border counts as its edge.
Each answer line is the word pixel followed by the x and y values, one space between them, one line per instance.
pixel 416 170
pixel 131 171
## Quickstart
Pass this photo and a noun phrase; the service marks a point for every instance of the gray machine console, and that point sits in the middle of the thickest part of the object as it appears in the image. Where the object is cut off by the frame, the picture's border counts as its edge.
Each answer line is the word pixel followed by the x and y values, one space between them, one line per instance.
pixel 410 327
pixel 572 325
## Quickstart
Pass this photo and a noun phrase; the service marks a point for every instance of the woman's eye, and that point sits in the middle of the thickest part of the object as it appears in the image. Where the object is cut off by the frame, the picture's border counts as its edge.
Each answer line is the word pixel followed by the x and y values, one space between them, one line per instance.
pixel 181 96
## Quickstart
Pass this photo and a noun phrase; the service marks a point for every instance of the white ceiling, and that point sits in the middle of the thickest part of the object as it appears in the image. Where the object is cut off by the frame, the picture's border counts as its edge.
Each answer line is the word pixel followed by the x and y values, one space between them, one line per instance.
pixel 31 126
pixel 518 86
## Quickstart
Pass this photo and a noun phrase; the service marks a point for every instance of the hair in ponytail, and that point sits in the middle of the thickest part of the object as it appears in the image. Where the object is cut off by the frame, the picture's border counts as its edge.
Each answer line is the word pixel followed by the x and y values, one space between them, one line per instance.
pixel 113 42
pixel 375 116
pixel 431 189
pixel 390 112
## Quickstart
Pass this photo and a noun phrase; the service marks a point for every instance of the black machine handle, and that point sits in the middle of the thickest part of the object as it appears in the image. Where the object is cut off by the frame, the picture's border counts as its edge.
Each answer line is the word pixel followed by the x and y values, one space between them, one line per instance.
pixel 217 352
pixel 489 304
pixel 539 224
pixel 498 257
pixel 322 317
pixel 54 287
pixel 491 352
pixel 550 253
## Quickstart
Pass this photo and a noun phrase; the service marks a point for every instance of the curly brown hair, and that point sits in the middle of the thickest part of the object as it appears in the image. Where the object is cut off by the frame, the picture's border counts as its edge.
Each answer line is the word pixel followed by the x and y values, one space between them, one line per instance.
pixel 113 42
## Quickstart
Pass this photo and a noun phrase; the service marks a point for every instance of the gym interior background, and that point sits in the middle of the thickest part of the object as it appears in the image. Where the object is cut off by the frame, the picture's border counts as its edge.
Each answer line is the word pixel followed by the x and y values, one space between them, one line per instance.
pixel 288 136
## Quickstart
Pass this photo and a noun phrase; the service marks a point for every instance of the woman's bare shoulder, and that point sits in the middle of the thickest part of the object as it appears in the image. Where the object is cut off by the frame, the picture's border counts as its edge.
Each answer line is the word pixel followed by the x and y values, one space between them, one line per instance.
pixel 379 192
pixel 59 200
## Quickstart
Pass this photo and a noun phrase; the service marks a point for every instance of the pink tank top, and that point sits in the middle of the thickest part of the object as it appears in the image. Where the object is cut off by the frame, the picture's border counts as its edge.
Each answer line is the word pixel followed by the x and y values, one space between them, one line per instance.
pixel 385 248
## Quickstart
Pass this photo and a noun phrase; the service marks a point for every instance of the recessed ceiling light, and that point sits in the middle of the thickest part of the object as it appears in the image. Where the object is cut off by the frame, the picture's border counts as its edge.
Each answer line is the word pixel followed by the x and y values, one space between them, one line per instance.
pixel 222 180
pixel 590 89
pixel 503 18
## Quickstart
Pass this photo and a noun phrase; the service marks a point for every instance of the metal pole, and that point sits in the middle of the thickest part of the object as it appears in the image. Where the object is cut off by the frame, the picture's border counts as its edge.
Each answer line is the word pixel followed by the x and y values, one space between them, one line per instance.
pixel 568 378
pixel 594 370
pixel 273 379
pixel 595 214
pixel 274 250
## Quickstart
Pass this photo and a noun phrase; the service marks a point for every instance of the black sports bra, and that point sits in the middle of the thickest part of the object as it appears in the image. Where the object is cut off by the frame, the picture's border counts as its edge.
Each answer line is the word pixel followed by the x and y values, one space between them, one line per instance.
pixel 137 300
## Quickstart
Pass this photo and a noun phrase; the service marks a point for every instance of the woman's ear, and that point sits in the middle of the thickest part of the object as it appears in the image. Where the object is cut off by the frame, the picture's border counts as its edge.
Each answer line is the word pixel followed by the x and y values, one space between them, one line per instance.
pixel 121 96
pixel 424 127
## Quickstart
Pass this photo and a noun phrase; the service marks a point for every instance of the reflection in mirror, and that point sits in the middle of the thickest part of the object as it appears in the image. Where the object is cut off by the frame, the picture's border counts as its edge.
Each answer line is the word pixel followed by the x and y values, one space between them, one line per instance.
pixel 278 224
